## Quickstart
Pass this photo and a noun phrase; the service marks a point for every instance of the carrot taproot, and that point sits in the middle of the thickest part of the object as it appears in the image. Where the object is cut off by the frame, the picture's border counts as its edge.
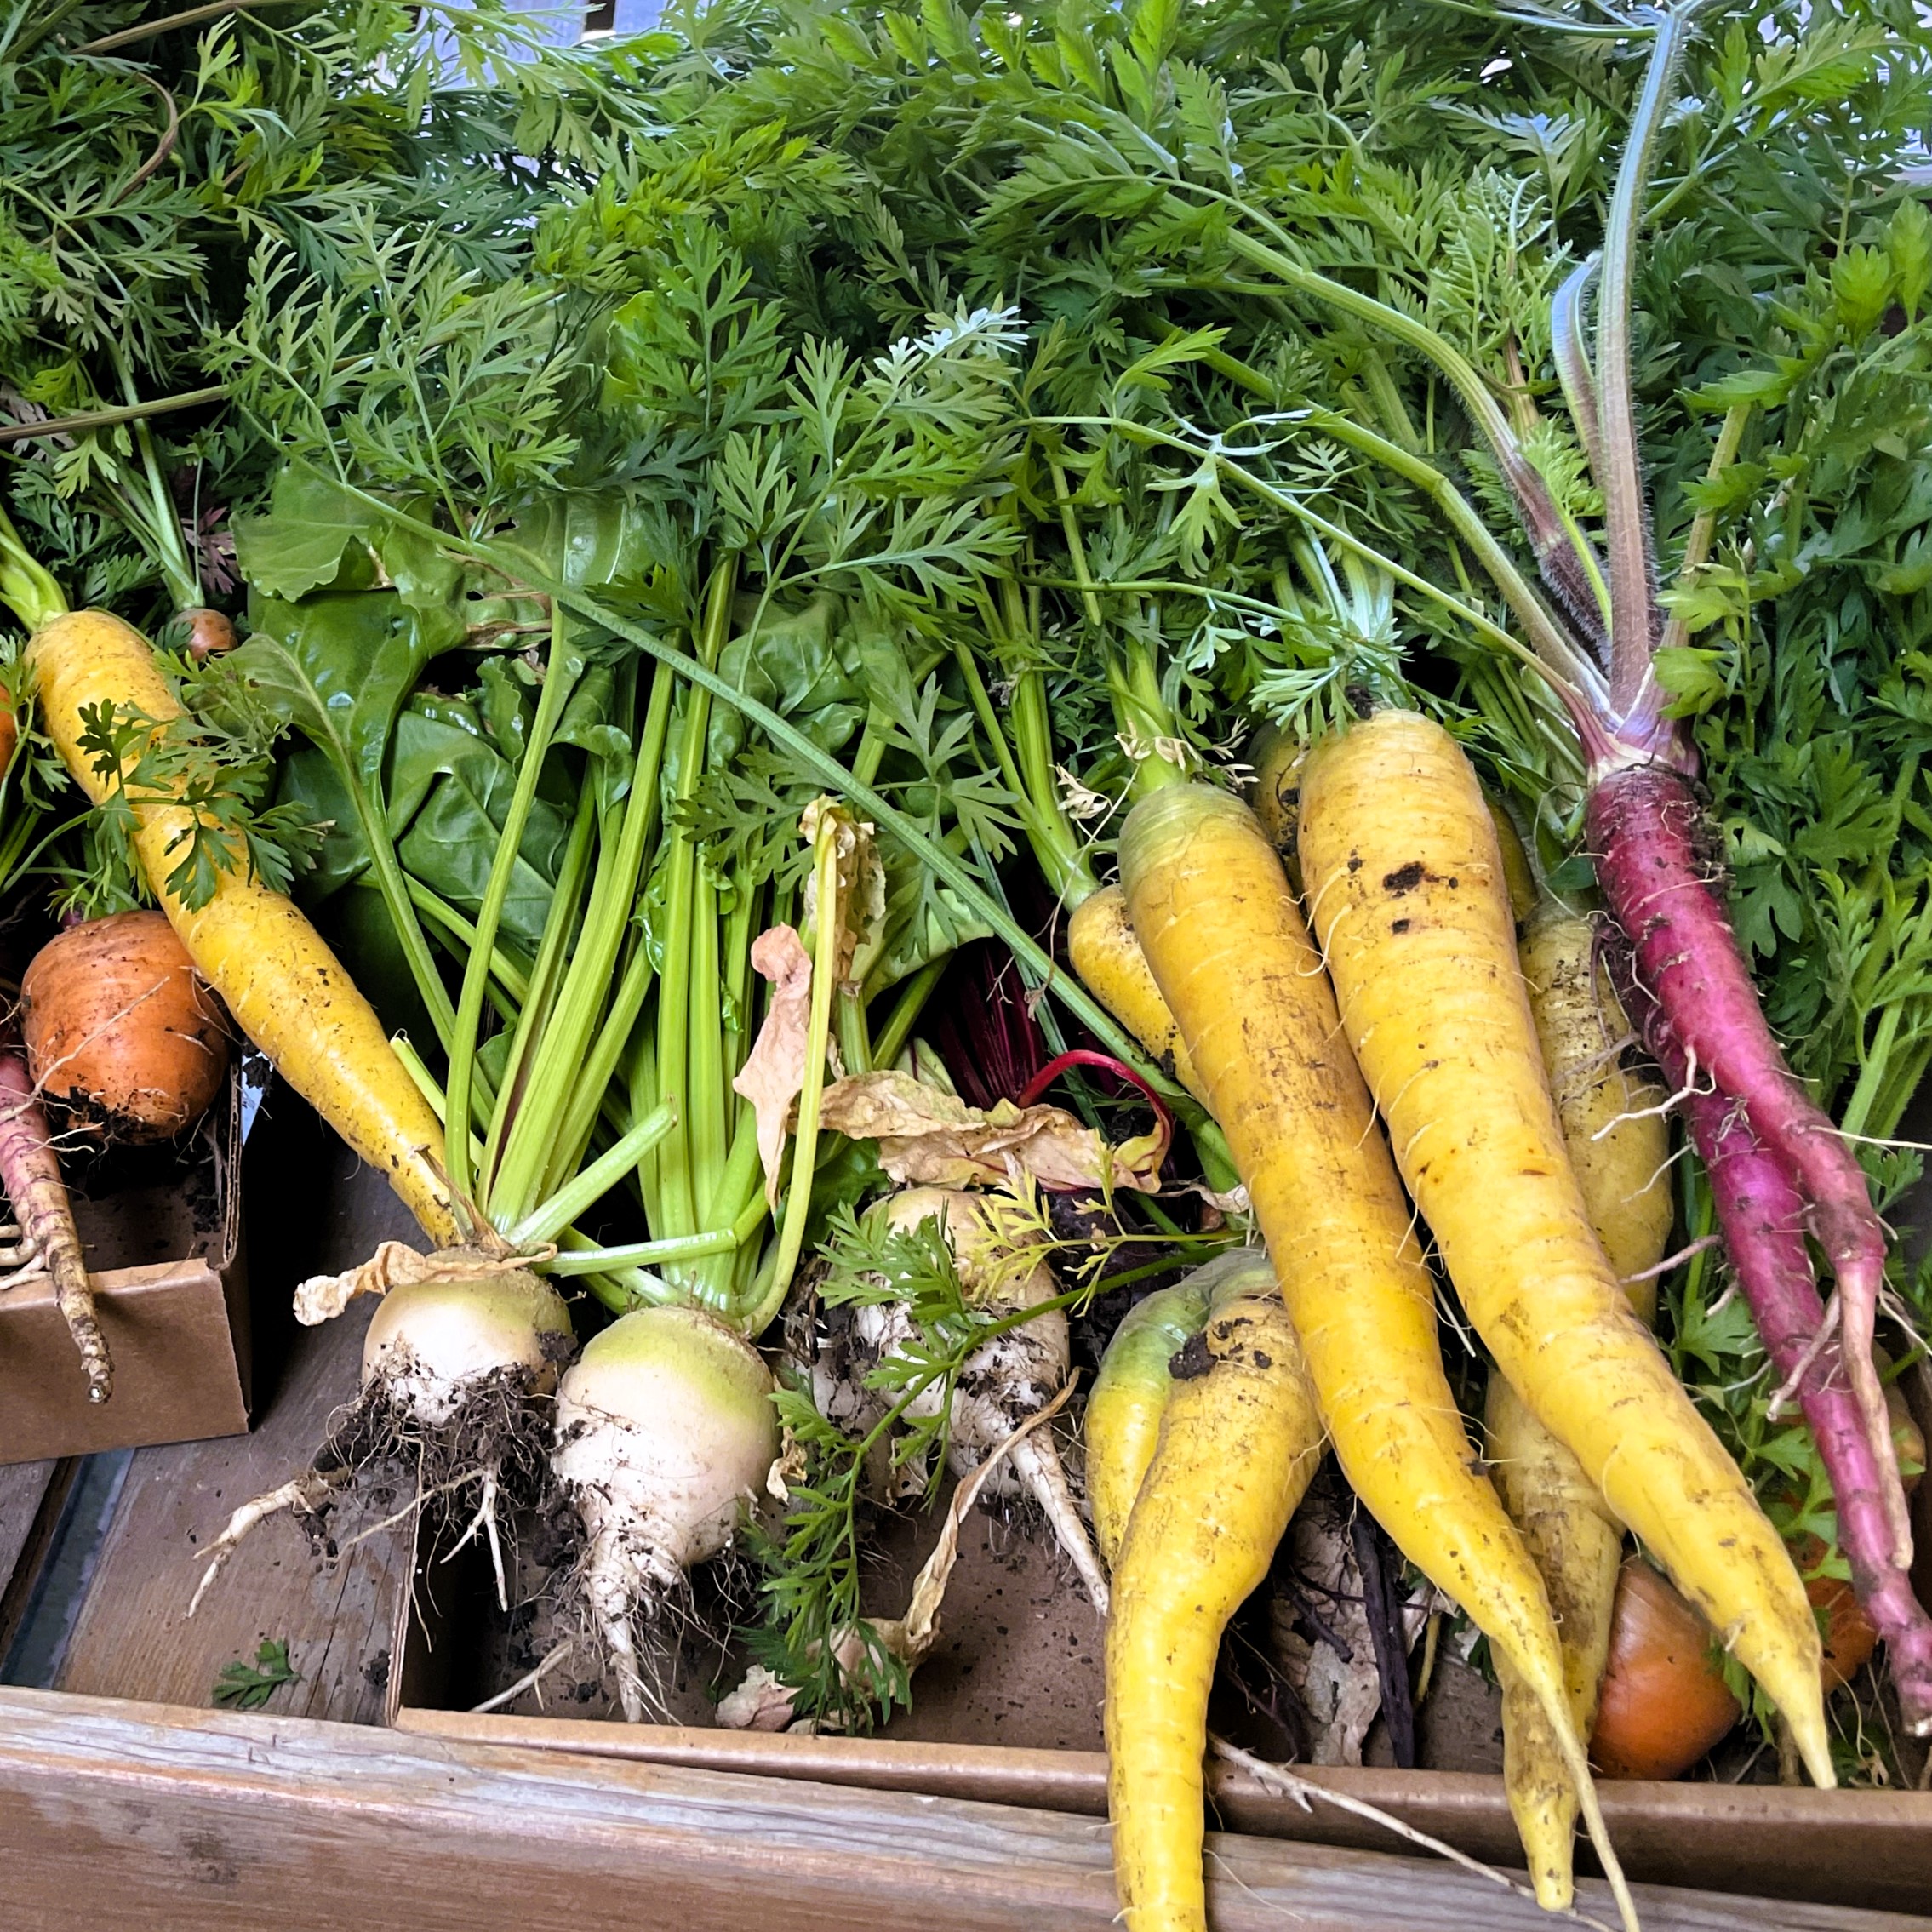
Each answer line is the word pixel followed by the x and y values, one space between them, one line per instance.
pixel 1239 1440
pixel 1616 1134
pixel 1619 1147
pixel 1651 845
pixel 281 983
pixel 1102 949
pixel 30 1174
pixel 1276 792
pixel 1128 1399
pixel 1762 1212
pixel 1405 885
pixel 1577 1545
pixel 1224 935
pixel 1519 876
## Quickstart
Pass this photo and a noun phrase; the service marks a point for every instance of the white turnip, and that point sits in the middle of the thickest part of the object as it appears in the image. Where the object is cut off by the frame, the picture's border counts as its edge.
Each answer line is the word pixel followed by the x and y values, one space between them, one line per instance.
pixel 665 1431
pixel 459 1367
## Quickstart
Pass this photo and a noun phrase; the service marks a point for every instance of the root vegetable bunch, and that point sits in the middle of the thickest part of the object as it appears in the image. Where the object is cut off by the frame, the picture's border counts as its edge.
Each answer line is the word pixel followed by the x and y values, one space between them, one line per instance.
pixel 1001 1384
pixel 1782 1174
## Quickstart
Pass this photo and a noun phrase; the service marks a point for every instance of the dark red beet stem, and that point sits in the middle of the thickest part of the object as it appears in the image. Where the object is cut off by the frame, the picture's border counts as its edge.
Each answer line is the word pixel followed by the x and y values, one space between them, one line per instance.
pixel 1661 883
pixel 1763 1218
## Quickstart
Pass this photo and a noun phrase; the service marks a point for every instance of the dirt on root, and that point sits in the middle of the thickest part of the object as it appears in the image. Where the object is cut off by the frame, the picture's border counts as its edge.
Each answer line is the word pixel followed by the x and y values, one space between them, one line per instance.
pixel 379 1457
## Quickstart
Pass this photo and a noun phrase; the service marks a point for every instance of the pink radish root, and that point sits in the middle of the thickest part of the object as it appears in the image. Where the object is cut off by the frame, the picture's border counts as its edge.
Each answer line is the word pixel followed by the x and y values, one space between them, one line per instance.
pixel 1705 1029
pixel 32 1176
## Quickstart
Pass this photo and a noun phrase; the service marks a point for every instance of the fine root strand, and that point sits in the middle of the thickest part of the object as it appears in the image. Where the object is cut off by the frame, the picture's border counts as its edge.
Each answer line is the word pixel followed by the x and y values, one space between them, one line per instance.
pixel 530 1680
pixel 1305 1791
pixel 304 1495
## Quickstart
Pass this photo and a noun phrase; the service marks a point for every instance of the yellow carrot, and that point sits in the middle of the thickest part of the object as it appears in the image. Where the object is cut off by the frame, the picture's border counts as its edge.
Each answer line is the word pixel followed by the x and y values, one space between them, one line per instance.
pixel 1405 886
pixel 284 987
pixel 1238 1443
pixel 1275 793
pixel 1129 1397
pixel 1618 1138
pixel 1519 876
pixel 1225 938
pixel 1104 952
pixel 1618 1145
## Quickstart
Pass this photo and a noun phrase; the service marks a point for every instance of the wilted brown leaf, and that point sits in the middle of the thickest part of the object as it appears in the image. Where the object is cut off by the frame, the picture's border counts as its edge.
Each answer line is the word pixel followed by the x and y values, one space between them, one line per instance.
pixel 774 1069
pixel 926 1136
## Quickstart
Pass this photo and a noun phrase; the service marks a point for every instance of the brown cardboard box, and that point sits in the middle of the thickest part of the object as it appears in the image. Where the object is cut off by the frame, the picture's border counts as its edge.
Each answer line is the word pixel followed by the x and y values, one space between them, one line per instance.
pixel 173 1297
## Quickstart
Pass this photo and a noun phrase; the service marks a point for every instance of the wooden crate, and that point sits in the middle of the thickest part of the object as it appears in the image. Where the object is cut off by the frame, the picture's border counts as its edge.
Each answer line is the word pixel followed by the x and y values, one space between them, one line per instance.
pixel 1007 1711
pixel 124 1799
pixel 1006 1622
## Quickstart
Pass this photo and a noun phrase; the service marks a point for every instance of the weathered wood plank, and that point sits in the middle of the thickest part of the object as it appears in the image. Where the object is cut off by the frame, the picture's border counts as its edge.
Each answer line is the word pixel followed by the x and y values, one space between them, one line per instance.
pixel 314 1210
pixel 1866 1848
pixel 23 1486
pixel 173 1820
pixel 31 1496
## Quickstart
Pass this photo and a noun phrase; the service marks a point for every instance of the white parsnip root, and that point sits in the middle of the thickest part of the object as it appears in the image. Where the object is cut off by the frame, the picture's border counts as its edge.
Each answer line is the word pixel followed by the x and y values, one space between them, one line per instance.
pixel 1003 1384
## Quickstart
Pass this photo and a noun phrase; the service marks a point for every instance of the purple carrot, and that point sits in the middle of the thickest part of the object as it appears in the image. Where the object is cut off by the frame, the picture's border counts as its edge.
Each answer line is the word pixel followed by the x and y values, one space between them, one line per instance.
pixel 30 1174
pixel 1762 1217
pixel 1646 830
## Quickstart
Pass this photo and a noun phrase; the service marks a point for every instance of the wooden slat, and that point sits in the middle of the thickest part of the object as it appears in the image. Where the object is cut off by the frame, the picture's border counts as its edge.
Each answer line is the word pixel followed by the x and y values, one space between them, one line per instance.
pixel 1867 1848
pixel 31 1496
pixel 23 1485
pixel 186 1821
pixel 134 1638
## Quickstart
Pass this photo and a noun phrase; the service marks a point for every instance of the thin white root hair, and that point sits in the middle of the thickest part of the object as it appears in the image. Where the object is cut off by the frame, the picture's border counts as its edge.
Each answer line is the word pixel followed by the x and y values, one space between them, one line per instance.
pixel 1678 1260
pixel 1303 1791
pixel 1037 1463
pixel 530 1680
pixel 297 1495
pixel 1869 1140
pixel 1664 1165
pixel 1311 909
pixel 1787 1391
pixel 485 1520
pixel 1581 1076
pixel 417 1503
pixel 1663 1106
